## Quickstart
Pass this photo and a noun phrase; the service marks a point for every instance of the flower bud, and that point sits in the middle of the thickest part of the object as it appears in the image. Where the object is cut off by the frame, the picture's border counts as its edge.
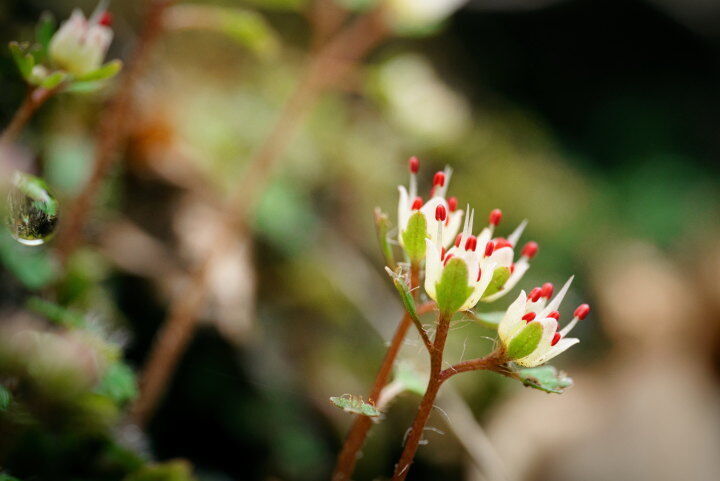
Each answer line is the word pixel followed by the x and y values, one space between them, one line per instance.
pixel 79 46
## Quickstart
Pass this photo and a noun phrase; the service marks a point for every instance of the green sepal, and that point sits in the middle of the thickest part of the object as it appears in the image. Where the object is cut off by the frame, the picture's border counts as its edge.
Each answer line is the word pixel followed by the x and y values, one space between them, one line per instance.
pixel 382 226
pixel 5 398
pixel 545 378
pixel 23 59
pixel 414 237
pixel 526 341
pixel 105 72
pixel 44 31
pixel 452 290
pixel 490 320
pixel 405 294
pixel 355 405
pixel 53 80
pixel 499 278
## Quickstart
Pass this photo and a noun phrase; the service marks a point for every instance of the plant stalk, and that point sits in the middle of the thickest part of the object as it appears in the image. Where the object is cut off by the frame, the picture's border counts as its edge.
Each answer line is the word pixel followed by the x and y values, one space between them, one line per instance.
pixel 34 99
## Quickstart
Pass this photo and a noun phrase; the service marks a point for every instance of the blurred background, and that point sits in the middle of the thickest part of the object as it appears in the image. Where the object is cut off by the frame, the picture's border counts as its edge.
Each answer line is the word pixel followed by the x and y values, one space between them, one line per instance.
pixel 597 121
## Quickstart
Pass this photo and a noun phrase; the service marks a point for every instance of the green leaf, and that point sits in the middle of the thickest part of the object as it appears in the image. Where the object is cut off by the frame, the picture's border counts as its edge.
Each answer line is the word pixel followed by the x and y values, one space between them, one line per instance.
pixel 107 71
pixel 414 237
pixel 452 289
pixel 56 313
pixel 7 477
pixel 499 278
pixel 118 383
pixel 178 470
pixel 382 225
pixel 525 341
pixel 35 268
pixel 44 32
pixel 53 80
pixel 409 377
pixel 545 378
pixel 355 405
pixel 405 294
pixel 5 400
pixel 24 60
pixel 491 320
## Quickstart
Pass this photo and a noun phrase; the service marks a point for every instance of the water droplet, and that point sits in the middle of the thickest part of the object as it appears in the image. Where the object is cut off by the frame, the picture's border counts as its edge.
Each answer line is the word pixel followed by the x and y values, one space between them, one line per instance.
pixel 32 213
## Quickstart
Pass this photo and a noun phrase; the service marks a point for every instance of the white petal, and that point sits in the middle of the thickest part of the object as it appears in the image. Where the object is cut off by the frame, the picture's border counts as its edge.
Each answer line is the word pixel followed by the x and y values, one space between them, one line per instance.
pixel 479 286
pixel 403 212
pixel 515 236
pixel 452 227
pixel 502 257
pixel 521 268
pixel 428 211
pixel 433 268
pixel 562 346
pixel 512 320
pixel 555 303
pixel 483 238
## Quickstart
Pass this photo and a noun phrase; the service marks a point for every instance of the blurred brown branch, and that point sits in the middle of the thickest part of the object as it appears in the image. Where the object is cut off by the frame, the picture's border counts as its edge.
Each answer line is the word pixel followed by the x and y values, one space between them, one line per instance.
pixel 326 66
pixel 34 99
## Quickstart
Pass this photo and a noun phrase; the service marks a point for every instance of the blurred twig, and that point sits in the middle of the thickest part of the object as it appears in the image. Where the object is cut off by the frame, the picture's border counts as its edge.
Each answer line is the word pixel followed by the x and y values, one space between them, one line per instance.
pixel 112 131
pixel 34 99
pixel 326 66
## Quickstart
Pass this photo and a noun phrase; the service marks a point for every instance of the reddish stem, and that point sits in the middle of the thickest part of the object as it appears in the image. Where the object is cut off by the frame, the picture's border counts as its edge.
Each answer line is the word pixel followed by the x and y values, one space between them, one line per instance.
pixel 35 98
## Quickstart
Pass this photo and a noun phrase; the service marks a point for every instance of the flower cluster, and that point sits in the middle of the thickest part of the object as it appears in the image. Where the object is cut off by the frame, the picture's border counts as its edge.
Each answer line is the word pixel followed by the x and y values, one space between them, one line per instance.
pixel 463 268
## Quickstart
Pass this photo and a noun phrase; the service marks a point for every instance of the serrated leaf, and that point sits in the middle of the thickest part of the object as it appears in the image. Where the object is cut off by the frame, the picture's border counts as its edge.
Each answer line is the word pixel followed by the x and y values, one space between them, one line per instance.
pixel 5 399
pixel 525 342
pixel 118 383
pixel 499 278
pixel 105 72
pixel 414 237
pixel 56 313
pixel 355 405
pixel 24 60
pixel 382 225
pixel 452 289
pixel 491 320
pixel 545 378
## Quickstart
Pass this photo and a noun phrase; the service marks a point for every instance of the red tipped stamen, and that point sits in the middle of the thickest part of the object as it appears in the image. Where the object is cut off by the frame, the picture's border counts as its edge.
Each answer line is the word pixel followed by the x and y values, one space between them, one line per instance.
pixel 528 317
pixel 501 242
pixel 530 250
pixel 535 294
pixel 495 216
pixel 471 243
pixel 440 213
pixel 439 179
pixel 452 203
pixel 547 290
pixel 555 315
pixel 489 248
pixel 414 164
pixel 458 239
pixel 556 339
pixel 449 256
pixel 582 311
pixel 106 19
pixel 417 203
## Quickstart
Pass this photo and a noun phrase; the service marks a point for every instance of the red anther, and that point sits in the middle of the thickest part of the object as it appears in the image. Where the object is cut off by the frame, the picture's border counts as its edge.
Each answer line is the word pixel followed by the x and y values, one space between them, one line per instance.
pixel 495 216
pixel 555 315
pixel 458 239
pixel 489 248
pixel 439 179
pixel 501 242
pixel 471 243
pixel 440 213
pixel 528 317
pixel 442 253
pixel 414 164
pixel 512 268
pixel 535 294
pixel 547 290
pixel 417 203
pixel 479 275
pixel 449 256
pixel 530 250
pixel 556 339
pixel 452 203
pixel 582 311
pixel 106 19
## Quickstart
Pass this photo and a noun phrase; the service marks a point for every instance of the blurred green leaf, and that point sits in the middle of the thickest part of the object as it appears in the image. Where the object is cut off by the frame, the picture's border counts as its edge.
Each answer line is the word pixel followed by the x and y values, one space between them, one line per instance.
pixel 414 237
pixel 53 80
pixel 178 470
pixel 545 378
pixel 355 405
pixel 410 378
pixel 56 313
pixel 34 268
pixel 7 477
pixel 44 32
pixel 491 320
pixel 118 383
pixel 382 225
pixel 5 400
pixel 24 60
pixel 107 71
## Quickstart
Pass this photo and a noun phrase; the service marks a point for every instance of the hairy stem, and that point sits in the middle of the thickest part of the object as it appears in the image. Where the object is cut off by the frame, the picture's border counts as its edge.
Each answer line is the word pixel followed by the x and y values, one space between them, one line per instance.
pixel 326 66
pixel 34 99
pixel 418 426
pixel 112 131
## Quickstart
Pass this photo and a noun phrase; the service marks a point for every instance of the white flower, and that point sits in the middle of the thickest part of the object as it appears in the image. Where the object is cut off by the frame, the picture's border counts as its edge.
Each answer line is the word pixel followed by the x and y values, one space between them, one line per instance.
pixel 410 202
pixel 79 46
pixel 478 254
pixel 534 309
pixel 418 14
